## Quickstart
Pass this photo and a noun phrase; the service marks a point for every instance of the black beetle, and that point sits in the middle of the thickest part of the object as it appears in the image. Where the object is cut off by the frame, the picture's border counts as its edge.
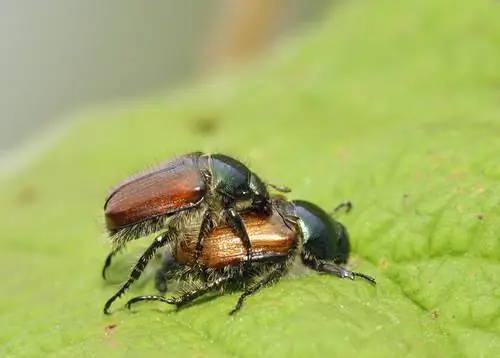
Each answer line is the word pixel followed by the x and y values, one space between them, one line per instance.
pixel 206 188
pixel 296 228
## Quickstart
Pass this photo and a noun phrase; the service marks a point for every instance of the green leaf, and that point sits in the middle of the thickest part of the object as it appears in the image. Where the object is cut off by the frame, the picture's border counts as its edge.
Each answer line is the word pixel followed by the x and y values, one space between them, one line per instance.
pixel 393 105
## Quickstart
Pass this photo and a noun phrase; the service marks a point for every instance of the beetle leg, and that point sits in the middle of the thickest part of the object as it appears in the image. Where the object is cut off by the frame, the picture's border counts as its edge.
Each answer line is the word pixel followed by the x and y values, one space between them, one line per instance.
pixel 206 225
pixel 280 188
pixel 147 298
pixel 340 271
pixel 139 267
pixel 107 262
pixel 189 296
pixel 239 227
pixel 160 281
pixel 183 299
pixel 345 204
pixel 272 276
pixel 168 266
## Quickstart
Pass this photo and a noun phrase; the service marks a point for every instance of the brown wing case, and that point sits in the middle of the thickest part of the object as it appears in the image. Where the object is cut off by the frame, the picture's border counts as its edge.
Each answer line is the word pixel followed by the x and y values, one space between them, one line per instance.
pixel 269 236
pixel 170 187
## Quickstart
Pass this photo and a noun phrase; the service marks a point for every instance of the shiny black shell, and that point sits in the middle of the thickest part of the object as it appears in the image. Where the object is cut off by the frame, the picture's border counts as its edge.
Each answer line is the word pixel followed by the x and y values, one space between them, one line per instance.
pixel 323 237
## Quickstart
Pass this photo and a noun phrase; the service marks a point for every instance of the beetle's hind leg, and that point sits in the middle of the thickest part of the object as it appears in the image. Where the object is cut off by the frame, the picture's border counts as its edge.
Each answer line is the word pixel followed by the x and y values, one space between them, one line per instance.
pixel 185 298
pixel 137 270
pixel 108 260
pixel 193 294
pixel 272 276
pixel 147 298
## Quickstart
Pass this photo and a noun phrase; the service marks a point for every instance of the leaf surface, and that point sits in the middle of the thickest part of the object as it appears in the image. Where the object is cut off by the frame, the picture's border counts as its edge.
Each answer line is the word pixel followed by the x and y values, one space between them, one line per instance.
pixel 393 105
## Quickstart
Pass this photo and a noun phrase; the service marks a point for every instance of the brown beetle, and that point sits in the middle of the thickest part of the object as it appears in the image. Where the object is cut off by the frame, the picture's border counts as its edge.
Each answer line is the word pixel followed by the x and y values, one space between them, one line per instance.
pixel 269 237
pixel 208 189
pixel 294 228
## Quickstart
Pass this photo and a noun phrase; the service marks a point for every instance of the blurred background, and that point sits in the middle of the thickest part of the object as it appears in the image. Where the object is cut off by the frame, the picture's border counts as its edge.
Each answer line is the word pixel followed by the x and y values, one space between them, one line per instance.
pixel 59 57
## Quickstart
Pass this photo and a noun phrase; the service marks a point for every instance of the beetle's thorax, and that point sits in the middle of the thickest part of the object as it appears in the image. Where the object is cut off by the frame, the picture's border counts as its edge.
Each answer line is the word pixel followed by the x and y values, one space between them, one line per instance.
pixel 233 184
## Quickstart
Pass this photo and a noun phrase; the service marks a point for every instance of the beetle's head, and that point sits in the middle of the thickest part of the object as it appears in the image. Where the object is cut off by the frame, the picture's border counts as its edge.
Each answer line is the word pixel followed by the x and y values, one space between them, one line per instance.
pixel 324 238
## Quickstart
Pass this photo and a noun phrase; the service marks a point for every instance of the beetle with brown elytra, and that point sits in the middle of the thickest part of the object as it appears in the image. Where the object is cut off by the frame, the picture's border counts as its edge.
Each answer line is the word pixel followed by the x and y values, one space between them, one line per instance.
pixel 207 188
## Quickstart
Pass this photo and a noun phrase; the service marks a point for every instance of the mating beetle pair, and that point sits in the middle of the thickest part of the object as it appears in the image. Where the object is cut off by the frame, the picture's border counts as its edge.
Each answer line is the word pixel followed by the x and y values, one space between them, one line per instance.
pixel 221 227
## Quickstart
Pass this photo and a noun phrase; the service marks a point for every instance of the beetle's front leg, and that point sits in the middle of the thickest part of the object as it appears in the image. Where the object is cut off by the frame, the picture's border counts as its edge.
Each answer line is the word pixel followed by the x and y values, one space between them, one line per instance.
pixel 337 270
pixel 238 226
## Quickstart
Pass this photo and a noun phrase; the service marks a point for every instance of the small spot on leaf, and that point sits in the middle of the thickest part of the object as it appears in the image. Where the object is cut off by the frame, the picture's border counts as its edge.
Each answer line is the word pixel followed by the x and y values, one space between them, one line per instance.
pixel 204 125
pixel 383 263
pixel 110 329
pixel 457 174
pixel 26 195
pixel 343 153
pixel 406 201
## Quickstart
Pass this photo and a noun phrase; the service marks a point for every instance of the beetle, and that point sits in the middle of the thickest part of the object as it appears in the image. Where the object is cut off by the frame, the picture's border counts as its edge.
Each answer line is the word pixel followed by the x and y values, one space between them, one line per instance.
pixel 295 228
pixel 207 188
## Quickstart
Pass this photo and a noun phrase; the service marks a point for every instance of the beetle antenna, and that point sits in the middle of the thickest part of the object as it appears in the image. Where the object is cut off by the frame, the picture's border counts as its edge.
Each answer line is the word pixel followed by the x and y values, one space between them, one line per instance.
pixel 280 188
pixel 347 205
